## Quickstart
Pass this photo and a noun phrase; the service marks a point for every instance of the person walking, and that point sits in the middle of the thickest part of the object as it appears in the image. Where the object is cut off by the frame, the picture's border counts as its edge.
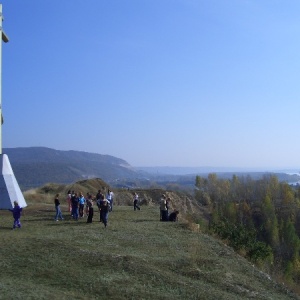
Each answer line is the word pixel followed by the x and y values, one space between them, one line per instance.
pixel 16 211
pixel 57 208
pixel 104 209
pixel 135 201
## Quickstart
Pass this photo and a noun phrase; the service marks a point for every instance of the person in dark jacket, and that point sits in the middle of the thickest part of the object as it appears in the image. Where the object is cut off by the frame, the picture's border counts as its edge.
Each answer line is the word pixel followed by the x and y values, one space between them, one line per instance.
pixel 104 209
pixel 75 202
pixel 16 211
pixel 173 217
pixel 100 198
pixel 57 208
pixel 163 208
pixel 89 205
pixel 136 201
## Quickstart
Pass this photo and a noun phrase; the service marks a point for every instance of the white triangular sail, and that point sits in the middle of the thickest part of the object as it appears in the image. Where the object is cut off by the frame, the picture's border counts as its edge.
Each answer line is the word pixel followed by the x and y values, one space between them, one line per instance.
pixel 9 188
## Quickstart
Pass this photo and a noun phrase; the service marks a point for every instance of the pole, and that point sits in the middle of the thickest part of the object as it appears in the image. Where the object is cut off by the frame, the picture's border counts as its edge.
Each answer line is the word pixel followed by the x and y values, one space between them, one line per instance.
pixel 4 39
pixel 9 188
pixel 1 20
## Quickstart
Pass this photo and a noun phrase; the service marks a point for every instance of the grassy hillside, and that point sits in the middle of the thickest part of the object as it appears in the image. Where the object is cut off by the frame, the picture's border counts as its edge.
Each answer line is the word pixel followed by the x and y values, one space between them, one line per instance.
pixel 136 257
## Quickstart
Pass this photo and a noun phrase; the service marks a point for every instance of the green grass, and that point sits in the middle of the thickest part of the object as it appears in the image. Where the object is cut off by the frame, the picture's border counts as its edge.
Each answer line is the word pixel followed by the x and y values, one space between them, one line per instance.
pixel 136 257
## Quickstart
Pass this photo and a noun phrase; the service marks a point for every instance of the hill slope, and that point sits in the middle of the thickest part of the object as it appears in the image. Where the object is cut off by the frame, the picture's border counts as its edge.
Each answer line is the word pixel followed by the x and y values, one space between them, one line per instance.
pixel 136 257
pixel 35 166
pixel 163 260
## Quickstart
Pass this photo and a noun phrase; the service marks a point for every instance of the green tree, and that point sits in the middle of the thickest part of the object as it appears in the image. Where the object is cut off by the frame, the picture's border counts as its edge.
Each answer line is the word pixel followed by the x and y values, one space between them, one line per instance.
pixel 290 243
pixel 270 223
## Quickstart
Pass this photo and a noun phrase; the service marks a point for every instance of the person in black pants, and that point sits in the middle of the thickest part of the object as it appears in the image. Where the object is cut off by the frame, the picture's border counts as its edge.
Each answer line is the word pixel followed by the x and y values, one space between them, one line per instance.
pixel 104 209
pixel 89 204
pixel 135 202
pixel 100 198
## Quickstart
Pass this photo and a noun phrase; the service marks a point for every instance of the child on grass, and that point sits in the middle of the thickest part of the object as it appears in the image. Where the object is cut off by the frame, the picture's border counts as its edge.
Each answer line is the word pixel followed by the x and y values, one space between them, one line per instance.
pixel 16 214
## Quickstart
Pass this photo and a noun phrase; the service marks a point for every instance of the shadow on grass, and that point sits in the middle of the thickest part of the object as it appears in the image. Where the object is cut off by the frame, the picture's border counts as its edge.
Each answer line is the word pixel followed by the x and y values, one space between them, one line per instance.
pixel 38 220
pixel 145 221
pixel 6 228
pixel 68 223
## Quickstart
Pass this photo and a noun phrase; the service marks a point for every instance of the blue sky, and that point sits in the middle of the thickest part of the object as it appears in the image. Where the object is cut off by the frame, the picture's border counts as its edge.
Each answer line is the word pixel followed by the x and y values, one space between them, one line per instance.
pixel 155 82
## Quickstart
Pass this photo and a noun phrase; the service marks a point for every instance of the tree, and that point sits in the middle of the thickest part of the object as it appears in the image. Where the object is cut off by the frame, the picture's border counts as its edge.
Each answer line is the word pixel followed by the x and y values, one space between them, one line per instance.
pixel 270 223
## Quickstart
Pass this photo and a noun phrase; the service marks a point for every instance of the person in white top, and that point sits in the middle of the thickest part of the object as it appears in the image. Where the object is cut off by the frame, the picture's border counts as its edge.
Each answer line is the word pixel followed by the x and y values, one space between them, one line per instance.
pixel 110 198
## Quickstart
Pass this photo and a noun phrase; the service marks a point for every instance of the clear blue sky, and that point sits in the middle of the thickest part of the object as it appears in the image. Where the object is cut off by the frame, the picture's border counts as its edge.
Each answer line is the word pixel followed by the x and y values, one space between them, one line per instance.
pixel 155 82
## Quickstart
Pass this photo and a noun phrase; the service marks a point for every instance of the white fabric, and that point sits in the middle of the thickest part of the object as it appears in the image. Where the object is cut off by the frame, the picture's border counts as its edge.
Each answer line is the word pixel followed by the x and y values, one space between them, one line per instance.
pixel 9 188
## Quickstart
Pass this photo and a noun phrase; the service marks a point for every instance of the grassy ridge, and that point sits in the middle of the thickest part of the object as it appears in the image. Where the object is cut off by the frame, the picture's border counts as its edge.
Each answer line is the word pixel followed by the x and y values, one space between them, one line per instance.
pixel 136 257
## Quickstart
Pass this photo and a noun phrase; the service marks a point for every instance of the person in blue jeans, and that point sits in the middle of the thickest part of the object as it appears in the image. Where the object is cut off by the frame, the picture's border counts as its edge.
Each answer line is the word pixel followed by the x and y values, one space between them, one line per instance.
pixel 16 214
pixel 104 209
pixel 57 208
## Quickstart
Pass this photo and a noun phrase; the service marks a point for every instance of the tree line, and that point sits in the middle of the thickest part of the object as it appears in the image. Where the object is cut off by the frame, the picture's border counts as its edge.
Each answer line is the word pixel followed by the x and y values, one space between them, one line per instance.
pixel 258 218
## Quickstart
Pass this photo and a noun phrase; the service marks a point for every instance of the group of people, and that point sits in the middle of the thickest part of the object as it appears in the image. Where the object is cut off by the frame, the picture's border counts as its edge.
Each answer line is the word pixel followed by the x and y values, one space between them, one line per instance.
pixel 164 210
pixel 79 206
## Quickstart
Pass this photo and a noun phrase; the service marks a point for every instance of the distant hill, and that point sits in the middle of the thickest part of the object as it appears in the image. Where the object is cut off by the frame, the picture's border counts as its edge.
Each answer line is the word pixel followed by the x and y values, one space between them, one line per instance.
pixel 36 166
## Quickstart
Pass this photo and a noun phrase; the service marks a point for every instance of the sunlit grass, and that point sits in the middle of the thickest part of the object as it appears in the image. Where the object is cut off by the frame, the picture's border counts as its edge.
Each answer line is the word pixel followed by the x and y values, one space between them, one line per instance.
pixel 136 257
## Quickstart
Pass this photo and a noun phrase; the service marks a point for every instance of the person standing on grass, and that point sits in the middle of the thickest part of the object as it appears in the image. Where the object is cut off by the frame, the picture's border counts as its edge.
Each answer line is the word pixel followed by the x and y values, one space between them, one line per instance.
pixel 110 198
pixel 16 214
pixel 135 201
pixel 89 205
pixel 104 209
pixel 75 201
pixel 163 208
pixel 88 196
pixel 100 198
pixel 57 208
pixel 69 195
pixel 168 203
pixel 81 205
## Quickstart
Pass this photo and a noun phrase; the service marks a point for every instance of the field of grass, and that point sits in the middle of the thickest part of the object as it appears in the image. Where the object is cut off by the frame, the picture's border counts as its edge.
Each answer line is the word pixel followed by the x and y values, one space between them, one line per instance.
pixel 135 257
